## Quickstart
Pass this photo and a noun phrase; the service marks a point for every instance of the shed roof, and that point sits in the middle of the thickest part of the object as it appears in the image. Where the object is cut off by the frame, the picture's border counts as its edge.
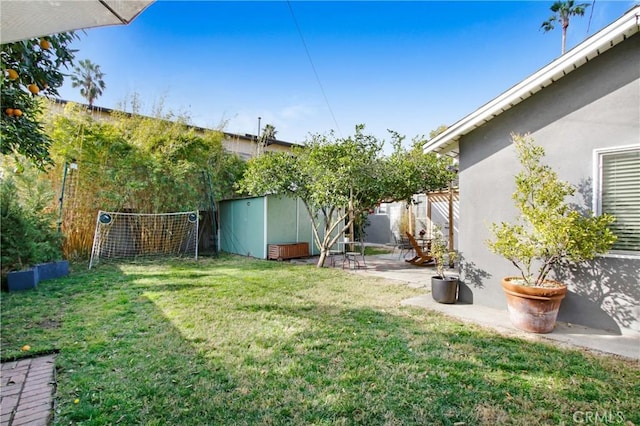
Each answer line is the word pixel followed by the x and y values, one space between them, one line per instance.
pixel 603 40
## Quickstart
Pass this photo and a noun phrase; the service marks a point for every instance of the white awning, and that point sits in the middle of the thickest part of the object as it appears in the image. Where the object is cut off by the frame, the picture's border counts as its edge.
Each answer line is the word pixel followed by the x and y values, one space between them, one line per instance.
pixel 25 19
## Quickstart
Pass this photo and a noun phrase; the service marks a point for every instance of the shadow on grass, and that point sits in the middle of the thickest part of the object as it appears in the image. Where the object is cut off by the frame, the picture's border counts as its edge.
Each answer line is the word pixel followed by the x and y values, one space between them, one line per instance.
pixel 434 372
pixel 259 343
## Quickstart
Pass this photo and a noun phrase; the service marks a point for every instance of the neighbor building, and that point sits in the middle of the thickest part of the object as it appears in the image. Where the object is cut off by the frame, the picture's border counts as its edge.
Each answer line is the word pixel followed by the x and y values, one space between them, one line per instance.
pixel 245 145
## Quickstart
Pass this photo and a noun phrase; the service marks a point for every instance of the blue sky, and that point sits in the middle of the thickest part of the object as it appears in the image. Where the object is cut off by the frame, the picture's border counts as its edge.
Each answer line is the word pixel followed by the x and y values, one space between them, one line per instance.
pixel 406 66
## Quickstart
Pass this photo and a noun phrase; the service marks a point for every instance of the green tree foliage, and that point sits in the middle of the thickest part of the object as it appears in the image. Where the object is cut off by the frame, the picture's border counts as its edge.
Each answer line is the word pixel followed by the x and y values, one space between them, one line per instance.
pixel 562 12
pixel 89 78
pixel 339 178
pixel 548 231
pixel 30 68
pixel 437 131
pixel 28 223
pixel 134 163
pixel 411 171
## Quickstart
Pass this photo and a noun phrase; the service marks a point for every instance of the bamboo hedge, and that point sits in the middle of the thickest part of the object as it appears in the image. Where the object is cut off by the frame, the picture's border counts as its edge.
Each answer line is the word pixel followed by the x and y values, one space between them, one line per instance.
pixel 131 163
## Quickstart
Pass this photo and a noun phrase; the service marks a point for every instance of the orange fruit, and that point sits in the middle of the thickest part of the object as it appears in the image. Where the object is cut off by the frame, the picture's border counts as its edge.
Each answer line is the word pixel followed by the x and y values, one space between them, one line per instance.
pixel 33 88
pixel 9 112
pixel 44 44
pixel 13 74
pixel 17 113
pixel 26 348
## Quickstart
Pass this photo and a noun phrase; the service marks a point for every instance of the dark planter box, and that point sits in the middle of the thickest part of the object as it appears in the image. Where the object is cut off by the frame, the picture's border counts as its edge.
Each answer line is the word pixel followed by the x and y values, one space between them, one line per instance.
pixel 46 271
pixel 23 280
pixel 52 270
pixel 62 268
pixel 288 251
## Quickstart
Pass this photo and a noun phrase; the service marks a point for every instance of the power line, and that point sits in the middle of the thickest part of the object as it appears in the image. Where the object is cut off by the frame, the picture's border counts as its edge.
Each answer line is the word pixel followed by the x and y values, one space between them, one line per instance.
pixel 593 6
pixel 313 67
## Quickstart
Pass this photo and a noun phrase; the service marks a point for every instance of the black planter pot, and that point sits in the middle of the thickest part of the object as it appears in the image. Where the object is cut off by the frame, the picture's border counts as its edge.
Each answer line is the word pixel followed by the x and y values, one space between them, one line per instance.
pixel 444 290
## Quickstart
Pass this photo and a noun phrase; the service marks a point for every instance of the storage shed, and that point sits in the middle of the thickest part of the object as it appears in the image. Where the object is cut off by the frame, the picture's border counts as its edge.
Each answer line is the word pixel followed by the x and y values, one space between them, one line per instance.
pixel 248 226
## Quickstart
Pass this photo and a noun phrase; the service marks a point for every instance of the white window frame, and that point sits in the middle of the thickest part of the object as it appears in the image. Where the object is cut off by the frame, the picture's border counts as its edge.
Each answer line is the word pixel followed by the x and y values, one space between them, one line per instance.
pixel 598 154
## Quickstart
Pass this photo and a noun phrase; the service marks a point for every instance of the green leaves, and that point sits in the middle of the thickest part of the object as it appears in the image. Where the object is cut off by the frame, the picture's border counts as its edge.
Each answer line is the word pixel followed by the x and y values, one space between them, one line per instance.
pixel 30 65
pixel 413 171
pixel 272 173
pixel 131 162
pixel 28 232
pixel 548 230
pixel 89 78
pixel 563 10
pixel 440 251
pixel 347 174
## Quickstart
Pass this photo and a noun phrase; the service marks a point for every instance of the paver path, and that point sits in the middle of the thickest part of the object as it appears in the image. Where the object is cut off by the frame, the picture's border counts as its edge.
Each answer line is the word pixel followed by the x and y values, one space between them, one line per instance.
pixel 26 391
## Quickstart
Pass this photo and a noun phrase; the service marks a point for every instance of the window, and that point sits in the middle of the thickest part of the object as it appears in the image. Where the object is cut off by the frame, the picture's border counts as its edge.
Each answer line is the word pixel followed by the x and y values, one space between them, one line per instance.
pixel 618 193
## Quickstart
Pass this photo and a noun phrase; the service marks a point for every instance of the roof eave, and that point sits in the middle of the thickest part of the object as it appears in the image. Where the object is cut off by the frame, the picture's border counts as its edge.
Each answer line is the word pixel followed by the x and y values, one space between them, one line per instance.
pixel 595 45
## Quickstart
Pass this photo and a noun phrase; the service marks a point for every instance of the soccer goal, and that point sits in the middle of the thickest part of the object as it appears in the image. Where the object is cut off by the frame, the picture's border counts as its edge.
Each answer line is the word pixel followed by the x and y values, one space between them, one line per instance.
pixel 136 235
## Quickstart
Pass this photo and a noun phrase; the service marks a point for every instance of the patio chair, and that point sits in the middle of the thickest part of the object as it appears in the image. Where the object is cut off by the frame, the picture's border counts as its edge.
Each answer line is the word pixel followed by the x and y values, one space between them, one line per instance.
pixel 352 257
pixel 422 257
pixel 333 257
pixel 403 245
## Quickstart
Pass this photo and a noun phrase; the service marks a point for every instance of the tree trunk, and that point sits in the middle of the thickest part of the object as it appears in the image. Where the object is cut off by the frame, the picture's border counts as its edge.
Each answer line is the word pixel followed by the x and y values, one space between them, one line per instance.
pixel 323 257
pixel 565 25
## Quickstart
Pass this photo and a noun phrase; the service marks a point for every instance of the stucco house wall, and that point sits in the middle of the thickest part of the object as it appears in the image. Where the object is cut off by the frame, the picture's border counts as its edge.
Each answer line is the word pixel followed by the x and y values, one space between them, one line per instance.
pixel 596 106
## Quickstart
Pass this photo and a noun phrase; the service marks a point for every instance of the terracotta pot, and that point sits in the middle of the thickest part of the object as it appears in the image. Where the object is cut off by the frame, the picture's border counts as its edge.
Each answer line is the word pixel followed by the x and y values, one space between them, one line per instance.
pixel 533 309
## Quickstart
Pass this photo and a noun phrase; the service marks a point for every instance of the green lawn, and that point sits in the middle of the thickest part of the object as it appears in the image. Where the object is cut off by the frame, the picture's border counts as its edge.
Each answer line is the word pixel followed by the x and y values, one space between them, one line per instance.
pixel 375 250
pixel 240 341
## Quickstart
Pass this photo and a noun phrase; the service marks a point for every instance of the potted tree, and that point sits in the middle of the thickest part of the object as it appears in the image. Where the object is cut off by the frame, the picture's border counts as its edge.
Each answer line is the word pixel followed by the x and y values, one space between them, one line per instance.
pixel 444 289
pixel 547 233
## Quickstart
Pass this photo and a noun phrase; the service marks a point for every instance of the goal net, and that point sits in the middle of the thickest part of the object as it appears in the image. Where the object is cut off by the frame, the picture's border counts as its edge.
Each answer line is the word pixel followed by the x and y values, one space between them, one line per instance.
pixel 136 235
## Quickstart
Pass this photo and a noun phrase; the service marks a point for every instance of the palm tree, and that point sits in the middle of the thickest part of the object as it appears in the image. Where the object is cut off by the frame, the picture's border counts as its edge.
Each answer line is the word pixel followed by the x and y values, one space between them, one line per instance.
pixel 562 12
pixel 88 78
pixel 268 134
pixel 267 137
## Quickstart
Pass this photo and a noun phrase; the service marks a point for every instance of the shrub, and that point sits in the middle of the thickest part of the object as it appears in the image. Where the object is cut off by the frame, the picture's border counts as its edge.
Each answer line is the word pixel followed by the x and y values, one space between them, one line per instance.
pixel 548 230
pixel 28 234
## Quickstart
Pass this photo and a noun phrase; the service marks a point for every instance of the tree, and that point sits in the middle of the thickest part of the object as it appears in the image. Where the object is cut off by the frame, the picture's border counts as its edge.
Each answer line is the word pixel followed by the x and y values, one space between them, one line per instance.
pixel 548 231
pixel 28 233
pixel 145 164
pixel 562 12
pixel 30 68
pixel 89 78
pixel 267 137
pixel 437 131
pixel 337 179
